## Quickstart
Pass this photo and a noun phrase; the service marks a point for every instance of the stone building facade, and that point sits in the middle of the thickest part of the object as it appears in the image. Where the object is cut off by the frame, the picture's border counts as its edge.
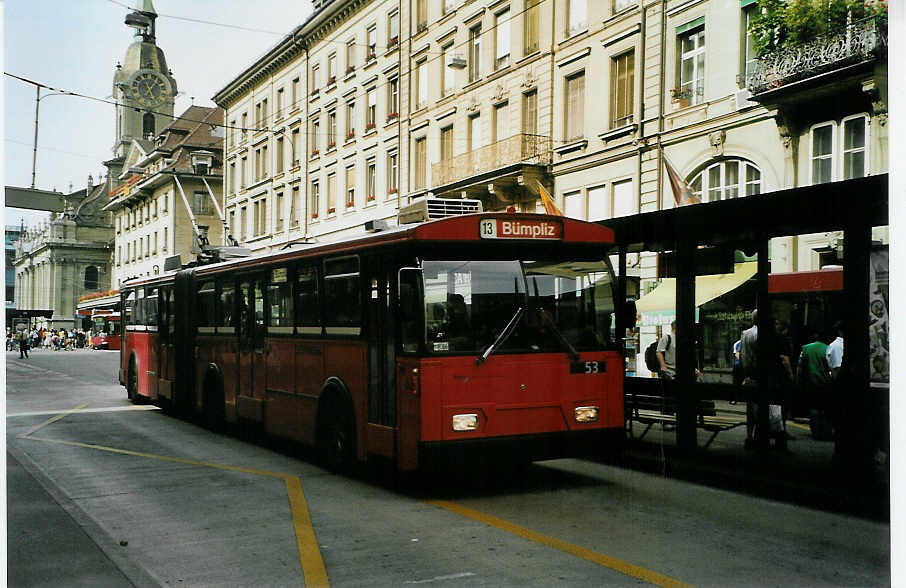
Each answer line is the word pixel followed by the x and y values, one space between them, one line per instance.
pixel 68 257
pixel 368 106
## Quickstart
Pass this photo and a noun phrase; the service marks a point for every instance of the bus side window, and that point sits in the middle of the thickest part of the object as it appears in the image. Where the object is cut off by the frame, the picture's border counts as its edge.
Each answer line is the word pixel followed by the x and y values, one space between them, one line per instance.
pixel 151 307
pixel 410 309
pixel 227 308
pixel 342 294
pixel 204 309
pixel 128 309
pixel 164 299
pixel 279 299
pixel 308 302
pixel 138 314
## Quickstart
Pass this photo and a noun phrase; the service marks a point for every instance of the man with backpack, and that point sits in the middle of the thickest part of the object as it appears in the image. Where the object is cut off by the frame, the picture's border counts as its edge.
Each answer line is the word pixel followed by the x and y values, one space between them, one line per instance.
pixel 666 354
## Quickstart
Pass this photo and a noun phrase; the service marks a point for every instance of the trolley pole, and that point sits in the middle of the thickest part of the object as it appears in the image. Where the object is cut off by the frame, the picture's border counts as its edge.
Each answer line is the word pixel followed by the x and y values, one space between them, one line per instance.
pixel 34 155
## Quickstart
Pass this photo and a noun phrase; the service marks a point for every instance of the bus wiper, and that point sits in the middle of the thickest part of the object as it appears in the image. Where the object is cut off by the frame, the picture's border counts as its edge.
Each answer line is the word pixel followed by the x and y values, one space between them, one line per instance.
pixel 502 337
pixel 570 350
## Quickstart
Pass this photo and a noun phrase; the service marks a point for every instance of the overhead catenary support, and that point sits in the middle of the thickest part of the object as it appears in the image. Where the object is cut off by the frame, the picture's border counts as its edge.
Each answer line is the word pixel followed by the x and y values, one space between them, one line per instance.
pixel 227 236
pixel 200 239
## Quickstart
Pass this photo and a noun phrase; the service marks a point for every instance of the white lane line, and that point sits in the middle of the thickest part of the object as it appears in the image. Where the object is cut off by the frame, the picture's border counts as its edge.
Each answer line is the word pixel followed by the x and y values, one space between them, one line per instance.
pixel 84 410
pixel 440 578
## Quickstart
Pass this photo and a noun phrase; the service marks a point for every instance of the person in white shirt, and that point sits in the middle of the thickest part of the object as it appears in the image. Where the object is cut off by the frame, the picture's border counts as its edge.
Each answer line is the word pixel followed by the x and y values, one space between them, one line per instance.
pixel 834 353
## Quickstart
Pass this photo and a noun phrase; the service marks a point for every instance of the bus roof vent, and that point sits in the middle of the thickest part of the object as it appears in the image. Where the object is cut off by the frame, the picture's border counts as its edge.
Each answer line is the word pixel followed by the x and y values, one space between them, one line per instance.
pixel 434 208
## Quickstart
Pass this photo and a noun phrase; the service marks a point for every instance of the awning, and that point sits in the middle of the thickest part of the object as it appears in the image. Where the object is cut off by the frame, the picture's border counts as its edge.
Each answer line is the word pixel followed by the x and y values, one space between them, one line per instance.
pixel 706 288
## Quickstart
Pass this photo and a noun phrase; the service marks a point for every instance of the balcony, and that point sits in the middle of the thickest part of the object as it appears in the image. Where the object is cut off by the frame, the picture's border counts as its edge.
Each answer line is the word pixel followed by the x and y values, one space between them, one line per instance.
pixel 504 169
pixel 830 62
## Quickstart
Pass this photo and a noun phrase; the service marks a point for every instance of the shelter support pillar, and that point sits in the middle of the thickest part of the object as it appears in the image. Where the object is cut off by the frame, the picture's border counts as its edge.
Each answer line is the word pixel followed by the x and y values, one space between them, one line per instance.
pixel 855 404
pixel 686 434
pixel 766 347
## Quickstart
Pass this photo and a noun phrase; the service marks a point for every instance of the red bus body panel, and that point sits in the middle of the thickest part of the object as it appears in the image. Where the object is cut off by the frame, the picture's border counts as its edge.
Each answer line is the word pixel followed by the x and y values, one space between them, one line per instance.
pixel 799 282
pixel 142 345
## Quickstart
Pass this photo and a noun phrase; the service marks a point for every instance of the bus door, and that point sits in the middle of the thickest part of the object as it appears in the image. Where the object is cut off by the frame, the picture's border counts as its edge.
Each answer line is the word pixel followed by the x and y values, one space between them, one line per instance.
pixel 381 335
pixel 252 361
pixel 166 355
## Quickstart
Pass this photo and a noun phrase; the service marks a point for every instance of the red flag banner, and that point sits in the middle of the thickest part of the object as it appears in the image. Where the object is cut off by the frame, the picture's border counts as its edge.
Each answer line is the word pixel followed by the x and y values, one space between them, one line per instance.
pixel 682 194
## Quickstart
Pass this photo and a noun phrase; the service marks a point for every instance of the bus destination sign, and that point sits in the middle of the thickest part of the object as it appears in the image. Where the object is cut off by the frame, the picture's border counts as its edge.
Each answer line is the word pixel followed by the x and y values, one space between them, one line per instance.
pixel 499 228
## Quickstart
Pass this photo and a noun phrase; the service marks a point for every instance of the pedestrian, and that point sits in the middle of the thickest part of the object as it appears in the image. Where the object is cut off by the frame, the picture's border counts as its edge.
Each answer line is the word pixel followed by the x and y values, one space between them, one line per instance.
pixel 738 375
pixel 835 351
pixel 23 344
pixel 775 373
pixel 666 354
pixel 814 377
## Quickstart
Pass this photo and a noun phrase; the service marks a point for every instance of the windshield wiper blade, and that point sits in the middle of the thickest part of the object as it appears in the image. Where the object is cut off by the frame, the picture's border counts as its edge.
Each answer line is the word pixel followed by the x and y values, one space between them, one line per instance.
pixel 570 350
pixel 503 336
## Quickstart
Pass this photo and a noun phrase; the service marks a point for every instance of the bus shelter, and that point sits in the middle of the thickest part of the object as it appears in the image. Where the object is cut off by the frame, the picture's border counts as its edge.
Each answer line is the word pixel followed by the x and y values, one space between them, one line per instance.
pixel 696 242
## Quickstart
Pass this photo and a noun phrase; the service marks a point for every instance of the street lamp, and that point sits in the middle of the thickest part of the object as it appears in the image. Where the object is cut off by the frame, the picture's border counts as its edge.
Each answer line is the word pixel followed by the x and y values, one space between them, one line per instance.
pixel 34 157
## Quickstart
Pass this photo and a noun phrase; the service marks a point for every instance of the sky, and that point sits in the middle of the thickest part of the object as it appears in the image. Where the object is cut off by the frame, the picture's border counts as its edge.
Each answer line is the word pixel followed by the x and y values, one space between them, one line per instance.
pixel 74 45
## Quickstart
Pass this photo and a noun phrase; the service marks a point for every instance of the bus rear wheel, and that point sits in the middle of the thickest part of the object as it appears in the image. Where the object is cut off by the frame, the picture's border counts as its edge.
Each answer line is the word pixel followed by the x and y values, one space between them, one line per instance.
pixel 337 436
pixel 213 406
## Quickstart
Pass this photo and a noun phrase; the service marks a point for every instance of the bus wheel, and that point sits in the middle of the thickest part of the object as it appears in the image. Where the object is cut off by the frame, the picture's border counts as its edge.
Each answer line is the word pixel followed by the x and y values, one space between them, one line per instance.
pixel 132 383
pixel 214 413
pixel 337 436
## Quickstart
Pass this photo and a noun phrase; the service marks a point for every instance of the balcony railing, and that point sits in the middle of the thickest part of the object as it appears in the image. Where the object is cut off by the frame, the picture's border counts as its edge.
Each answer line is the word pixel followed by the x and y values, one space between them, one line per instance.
pixel 858 43
pixel 522 148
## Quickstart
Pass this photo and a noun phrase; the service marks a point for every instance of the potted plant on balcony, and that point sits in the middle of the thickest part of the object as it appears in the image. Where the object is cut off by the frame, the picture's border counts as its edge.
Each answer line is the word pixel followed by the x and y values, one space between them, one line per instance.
pixel 370 198
pixel 392 191
pixel 393 41
pixel 331 210
pixel 369 126
pixel 314 215
pixel 315 152
pixel 392 115
pixel 350 134
pixel 682 97
pixel 332 80
pixel 331 144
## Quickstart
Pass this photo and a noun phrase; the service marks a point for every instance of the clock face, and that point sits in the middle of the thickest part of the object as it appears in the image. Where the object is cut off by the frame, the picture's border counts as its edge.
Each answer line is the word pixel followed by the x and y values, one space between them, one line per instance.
pixel 149 89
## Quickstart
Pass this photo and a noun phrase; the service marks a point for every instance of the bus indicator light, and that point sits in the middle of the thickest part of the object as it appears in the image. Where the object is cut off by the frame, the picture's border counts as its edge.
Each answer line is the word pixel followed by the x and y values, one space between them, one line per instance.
pixel 586 414
pixel 465 422
pixel 498 228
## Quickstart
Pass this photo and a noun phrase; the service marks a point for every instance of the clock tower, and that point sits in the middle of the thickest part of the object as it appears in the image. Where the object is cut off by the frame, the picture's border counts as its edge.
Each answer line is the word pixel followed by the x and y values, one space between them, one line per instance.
pixel 143 87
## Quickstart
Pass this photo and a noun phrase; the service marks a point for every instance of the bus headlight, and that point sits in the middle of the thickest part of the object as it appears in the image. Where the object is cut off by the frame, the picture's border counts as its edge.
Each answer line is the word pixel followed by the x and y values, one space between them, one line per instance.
pixel 586 414
pixel 465 422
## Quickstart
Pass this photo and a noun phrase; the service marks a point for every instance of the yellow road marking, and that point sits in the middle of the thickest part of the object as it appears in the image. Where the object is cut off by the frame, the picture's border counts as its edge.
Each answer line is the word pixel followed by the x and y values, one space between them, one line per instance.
pixel 598 558
pixel 51 420
pixel 310 558
pixel 799 426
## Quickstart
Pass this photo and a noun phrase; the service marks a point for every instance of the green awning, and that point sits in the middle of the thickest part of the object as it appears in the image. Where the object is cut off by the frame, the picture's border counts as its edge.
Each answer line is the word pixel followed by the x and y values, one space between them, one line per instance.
pixel 690 25
pixel 747 3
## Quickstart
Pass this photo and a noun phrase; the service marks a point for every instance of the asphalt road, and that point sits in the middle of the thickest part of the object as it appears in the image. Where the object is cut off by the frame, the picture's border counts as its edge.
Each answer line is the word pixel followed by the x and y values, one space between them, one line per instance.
pixel 101 493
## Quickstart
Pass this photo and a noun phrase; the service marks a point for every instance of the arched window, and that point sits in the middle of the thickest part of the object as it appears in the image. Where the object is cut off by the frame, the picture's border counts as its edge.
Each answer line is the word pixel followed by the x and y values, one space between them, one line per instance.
pixel 147 124
pixel 91 278
pixel 725 179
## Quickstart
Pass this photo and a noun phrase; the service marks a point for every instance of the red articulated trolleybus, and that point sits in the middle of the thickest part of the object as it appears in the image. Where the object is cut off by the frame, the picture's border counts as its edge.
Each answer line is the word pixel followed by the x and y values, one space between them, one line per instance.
pixel 105 330
pixel 467 333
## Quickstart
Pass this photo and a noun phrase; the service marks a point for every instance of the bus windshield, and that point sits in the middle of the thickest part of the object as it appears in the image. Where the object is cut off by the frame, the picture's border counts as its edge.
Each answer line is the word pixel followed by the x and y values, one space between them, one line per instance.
pixel 566 306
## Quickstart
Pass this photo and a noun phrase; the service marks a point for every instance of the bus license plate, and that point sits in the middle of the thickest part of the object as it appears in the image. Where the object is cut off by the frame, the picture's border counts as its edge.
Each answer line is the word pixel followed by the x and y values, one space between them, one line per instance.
pixel 587 367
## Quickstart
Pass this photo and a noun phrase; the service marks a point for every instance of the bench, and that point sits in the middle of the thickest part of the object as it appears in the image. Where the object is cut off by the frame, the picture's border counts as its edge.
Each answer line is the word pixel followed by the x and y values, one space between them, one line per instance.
pixel 646 403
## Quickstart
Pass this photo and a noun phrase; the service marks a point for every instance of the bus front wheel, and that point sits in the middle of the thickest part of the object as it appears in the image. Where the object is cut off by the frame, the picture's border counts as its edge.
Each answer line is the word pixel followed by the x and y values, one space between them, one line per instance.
pixel 132 383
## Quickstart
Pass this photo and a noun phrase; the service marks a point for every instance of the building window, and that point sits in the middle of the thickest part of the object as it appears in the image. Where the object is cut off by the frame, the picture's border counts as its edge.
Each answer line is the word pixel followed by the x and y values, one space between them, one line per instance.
pixel 350 56
pixel 371 40
pixel 621 89
pixel 350 187
pixel 501 126
pixel 723 180
pixel 242 172
pixel 624 201
pixel 474 53
pixel 91 278
pixel 331 129
pixel 233 133
pixel 243 223
pixel 502 39
pixel 474 132
pixel 421 84
pixel 201 203
pixel 691 64
pixel 421 163
pixel 262 220
pixel 530 113
pixel 244 132
pixel 575 106
pixel 315 78
pixel 232 226
pixel 530 27
pixel 278 212
pixel 749 57
pixel 232 178
pixel 279 112
pixel 164 249
pixel 855 131
pixel 331 194
pixel 165 201
pixel 393 98
pixel 822 153
pixel 295 92
pixel 421 15
pixel 279 156
pixel 371 112
pixel 315 204
pixel 370 177
pixel 392 173
pixel 295 147
pixel 118 224
pixel 447 75
pixel 264 116
pixel 148 125
pixel 446 143
pixel 331 68
pixel 295 207
pixel 577 16
pixel 393 29
pixel 154 249
pixel 119 256
pixel 350 120
pixel 315 137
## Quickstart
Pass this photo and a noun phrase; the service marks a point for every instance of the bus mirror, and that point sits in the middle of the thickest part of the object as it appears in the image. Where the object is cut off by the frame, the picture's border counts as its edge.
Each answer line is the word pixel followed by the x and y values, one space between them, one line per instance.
pixel 407 276
pixel 630 313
